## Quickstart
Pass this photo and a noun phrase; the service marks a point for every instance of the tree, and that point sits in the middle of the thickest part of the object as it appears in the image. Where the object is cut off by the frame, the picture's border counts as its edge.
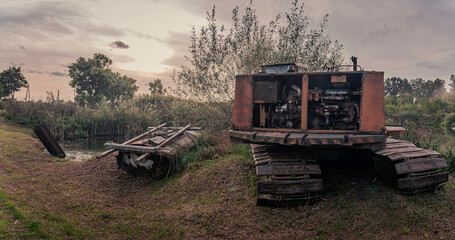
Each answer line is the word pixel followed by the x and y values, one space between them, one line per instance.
pixel 396 86
pixel 156 87
pixel 452 84
pixel 94 80
pixel 11 81
pixel 122 89
pixel 218 53
pixel 438 88
pixel 428 88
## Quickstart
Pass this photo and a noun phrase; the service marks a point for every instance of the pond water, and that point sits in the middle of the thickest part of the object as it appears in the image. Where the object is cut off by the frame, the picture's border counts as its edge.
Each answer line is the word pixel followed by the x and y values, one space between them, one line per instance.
pixel 82 149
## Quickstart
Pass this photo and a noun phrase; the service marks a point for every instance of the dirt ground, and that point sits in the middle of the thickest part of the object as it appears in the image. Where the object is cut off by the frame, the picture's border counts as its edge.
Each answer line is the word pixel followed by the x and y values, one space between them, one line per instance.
pixel 43 197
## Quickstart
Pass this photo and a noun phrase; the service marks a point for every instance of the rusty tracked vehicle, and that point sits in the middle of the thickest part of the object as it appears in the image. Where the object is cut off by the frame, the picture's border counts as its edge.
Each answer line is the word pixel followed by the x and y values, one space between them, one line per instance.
pixel 151 154
pixel 296 119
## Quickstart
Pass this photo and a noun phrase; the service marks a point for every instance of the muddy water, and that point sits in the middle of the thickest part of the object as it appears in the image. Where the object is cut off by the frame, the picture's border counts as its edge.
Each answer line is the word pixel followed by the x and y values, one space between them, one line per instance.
pixel 80 150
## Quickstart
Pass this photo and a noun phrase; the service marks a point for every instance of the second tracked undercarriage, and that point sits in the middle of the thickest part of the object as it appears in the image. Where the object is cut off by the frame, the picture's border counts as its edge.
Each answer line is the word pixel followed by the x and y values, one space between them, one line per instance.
pixel 292 174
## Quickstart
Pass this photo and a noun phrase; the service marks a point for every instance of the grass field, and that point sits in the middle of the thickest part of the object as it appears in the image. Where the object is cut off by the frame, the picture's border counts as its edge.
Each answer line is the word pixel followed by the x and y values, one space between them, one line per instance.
pixel 42 197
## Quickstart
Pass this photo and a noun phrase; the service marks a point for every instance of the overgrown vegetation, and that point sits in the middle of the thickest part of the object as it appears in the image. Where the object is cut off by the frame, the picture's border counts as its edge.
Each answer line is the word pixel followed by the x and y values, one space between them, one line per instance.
pixel 66 120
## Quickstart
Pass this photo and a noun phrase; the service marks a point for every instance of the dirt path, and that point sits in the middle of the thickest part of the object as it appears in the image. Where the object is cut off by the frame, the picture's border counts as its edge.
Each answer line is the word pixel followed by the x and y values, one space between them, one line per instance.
pixel 213 199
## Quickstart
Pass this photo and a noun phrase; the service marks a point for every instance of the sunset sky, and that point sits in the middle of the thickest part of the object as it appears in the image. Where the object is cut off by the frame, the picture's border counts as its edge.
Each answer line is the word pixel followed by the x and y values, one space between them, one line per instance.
pixel 148 39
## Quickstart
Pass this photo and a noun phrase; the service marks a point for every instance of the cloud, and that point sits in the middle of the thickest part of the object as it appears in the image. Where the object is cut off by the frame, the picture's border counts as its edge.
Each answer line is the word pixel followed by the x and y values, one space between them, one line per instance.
pixel 58 74
pixel 16 64
pixel 43 21
pixel 179 43
pixel 119 44
pixel 33 71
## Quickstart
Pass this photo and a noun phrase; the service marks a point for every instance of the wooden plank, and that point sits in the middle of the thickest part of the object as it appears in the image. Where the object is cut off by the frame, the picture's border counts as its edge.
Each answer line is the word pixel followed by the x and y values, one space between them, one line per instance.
pixel 420 165
pixel 399 145
pixel 168 140
pixel 130 148
pixel 391 140
pixel 284 187
pixel 423 153
pixel 45 136
pixel 281 169
pixel 422 182
pixel 284 160
pixel 177 128
pixel 132 140
pixel 387 151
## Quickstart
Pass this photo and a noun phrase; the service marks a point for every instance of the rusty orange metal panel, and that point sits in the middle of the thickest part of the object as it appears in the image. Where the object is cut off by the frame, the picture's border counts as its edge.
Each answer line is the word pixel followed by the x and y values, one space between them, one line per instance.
pixel 304 102
pixel 395 130
pixel 372 104
pixel 242 118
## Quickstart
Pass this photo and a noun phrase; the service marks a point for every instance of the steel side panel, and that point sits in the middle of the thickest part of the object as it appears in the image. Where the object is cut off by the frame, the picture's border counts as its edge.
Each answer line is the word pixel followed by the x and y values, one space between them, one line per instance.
pixel 242 117
pixel 372 103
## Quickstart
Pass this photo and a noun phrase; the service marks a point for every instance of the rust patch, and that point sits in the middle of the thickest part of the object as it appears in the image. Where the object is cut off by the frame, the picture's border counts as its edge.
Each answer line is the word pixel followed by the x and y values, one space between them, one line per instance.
pixel 243 103
pixel 372 105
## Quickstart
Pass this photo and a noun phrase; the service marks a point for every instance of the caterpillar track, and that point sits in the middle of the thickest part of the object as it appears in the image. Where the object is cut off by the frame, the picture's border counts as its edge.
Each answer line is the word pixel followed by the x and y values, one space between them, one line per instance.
pixel 415 169
pixel 291 175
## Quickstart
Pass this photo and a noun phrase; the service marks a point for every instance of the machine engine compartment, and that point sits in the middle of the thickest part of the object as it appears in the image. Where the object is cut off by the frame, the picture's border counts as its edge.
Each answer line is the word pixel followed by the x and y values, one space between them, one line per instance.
pixel 333 101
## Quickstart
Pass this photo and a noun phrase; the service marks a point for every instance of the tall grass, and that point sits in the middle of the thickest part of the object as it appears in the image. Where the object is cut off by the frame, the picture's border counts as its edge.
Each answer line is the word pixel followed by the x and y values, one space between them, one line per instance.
pixel 204 149
pixel 69 121
pixel 446 152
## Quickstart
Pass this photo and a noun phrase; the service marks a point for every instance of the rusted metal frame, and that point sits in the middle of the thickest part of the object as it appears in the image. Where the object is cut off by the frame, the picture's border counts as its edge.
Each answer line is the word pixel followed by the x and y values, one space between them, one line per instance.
pixel 132 140
pixel 168 140
pixel 395 130
pixel 307 139
pixel 304 106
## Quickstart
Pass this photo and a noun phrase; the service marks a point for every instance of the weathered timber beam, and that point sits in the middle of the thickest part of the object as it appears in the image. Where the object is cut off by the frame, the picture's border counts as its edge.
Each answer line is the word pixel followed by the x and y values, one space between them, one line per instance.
pixel 132 140
pixel 130 148
pixel 168 140
pixel 178 128
pixel 45 136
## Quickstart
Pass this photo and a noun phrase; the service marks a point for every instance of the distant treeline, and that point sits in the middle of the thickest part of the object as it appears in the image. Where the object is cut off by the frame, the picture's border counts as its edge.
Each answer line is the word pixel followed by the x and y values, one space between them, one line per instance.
pixel 418 88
